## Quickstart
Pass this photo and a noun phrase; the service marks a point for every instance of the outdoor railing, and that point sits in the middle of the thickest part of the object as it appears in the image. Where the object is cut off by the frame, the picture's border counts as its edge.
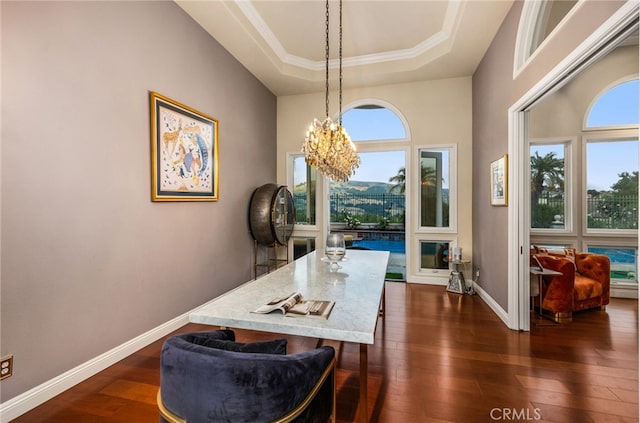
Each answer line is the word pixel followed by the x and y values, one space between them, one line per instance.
pixel 367 208
pixel 613 212
pixel 604 211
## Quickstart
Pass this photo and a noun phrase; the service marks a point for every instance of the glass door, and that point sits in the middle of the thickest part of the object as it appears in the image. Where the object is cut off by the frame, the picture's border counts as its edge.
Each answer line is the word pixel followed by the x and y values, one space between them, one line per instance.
pixel 369 209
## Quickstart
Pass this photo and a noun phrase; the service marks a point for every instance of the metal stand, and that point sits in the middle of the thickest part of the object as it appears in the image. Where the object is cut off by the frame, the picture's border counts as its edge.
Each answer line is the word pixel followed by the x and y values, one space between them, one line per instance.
pixel 272 258
pixel 536 289
pixel 456 283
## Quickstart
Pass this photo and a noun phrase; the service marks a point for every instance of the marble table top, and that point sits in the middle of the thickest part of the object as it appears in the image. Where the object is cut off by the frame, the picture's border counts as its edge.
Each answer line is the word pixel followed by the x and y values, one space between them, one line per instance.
pixel 356 288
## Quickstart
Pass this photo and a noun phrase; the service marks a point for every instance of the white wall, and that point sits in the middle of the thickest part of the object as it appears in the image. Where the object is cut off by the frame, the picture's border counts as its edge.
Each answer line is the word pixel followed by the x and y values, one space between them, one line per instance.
pixel 437 113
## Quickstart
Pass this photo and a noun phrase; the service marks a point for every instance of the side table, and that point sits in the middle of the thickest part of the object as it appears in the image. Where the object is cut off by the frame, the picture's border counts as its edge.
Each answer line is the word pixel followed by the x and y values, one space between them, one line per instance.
pixel 457 283
pixel 535 289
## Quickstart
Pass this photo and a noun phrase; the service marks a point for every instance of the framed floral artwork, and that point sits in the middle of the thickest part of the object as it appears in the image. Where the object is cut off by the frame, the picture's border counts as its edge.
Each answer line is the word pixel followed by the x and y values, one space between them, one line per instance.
pixel 184 152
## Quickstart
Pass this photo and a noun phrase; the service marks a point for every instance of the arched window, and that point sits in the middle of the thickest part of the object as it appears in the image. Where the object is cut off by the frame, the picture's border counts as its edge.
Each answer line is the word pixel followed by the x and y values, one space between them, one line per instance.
pixel 538 21
pixel 372 122
pixel 618 106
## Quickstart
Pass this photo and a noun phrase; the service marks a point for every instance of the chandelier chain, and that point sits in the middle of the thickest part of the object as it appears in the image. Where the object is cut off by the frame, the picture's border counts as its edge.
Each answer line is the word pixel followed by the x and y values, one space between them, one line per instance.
pixel 326 60
pixel 327 145
pixel 340 66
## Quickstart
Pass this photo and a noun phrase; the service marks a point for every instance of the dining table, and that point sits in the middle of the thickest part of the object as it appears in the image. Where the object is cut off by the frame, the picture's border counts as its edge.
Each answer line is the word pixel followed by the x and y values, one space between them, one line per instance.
pixel 355 285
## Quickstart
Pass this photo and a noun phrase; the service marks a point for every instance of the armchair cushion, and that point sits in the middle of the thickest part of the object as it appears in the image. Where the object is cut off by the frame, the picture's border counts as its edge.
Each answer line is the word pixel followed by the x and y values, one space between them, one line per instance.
pixel 585 288
pixel 204 384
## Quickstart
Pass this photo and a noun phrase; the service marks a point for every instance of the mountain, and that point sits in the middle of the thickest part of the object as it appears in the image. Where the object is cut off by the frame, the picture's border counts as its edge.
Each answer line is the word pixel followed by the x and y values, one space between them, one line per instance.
pixel 353 187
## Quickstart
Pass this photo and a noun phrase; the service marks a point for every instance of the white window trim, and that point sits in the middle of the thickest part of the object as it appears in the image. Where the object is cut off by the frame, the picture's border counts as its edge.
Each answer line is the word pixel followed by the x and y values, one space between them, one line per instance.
pixel 570 193
pixel 432 276
pixel 453 190
pixel 289 169
pixel 533 17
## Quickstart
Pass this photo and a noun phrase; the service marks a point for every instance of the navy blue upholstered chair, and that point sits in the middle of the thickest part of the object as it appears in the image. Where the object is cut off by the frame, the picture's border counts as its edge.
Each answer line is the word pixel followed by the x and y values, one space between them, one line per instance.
pixel 207 377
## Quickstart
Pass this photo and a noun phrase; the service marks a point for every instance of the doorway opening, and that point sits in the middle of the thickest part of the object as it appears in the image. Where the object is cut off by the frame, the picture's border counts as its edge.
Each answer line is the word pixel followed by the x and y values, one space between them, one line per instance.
pixel 609 35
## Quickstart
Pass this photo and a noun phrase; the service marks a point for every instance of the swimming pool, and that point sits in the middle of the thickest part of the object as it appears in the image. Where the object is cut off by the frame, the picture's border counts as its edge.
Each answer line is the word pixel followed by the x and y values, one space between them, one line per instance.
pixel 617 255
pixel 381 245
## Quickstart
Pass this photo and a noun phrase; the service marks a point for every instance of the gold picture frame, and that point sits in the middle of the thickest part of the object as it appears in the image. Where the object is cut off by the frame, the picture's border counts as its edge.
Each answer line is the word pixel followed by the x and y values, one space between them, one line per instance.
pixel 184 152
pixel 499 182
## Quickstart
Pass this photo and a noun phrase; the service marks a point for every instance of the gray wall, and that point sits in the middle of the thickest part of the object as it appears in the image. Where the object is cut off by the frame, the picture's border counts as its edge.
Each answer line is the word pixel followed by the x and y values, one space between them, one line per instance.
pixel 88 261
pixel 494 91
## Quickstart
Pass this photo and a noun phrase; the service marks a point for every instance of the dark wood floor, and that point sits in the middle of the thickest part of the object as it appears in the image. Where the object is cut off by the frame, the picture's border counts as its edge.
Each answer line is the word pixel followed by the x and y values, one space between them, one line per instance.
pixel 438 357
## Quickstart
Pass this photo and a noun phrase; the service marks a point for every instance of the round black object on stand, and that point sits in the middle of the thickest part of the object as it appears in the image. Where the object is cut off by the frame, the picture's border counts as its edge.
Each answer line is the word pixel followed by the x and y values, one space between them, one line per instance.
pixel 271 214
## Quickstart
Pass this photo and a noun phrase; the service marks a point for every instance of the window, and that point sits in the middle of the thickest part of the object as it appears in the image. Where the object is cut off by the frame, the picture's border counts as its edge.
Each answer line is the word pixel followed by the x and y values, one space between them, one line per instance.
pixel 373 123
pixel 612 161
pixel 537 21
pixel 433 255
pixel 611 182
pixel 302 245
pixel 435 192
pixel 612 185
pixel 618 106
pixel 374 197
pixel 551 14
pixel 370 207
pixel 548 177
pixel 304 191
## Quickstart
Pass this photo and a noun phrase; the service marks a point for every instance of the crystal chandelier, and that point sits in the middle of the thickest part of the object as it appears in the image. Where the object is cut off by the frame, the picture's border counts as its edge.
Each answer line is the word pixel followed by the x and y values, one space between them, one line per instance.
pixel 327 145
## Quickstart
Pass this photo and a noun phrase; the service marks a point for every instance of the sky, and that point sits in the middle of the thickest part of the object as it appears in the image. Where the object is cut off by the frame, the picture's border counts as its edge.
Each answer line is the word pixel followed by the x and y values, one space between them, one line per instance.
pixel 379 167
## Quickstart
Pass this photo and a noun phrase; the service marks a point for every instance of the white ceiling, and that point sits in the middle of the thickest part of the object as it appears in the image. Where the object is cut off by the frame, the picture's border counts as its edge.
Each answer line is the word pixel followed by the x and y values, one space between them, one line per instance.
pixel 282 42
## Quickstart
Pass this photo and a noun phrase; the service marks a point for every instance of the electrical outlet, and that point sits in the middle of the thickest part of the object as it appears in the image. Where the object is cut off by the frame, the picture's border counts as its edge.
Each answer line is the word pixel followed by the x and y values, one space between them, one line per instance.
pixel 6 366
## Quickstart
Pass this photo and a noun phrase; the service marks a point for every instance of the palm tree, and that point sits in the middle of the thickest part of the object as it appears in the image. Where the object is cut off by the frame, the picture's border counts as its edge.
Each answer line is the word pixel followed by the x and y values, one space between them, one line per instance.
pixel 399 181
pixel 427 178
pixel 547 174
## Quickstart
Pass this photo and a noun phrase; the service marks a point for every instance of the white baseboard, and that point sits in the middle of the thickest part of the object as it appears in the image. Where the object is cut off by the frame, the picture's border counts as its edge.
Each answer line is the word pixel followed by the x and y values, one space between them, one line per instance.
pixel 624 292
pixel 22 403
pixel 494 306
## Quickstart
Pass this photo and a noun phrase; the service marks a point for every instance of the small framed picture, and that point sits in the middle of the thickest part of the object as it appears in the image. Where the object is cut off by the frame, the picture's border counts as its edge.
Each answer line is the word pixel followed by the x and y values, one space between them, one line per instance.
pixel 499 182
pixel 184 152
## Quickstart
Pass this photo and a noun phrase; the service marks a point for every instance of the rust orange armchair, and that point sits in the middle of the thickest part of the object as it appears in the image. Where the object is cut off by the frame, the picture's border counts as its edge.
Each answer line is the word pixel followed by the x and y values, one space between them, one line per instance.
pixel 584 283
